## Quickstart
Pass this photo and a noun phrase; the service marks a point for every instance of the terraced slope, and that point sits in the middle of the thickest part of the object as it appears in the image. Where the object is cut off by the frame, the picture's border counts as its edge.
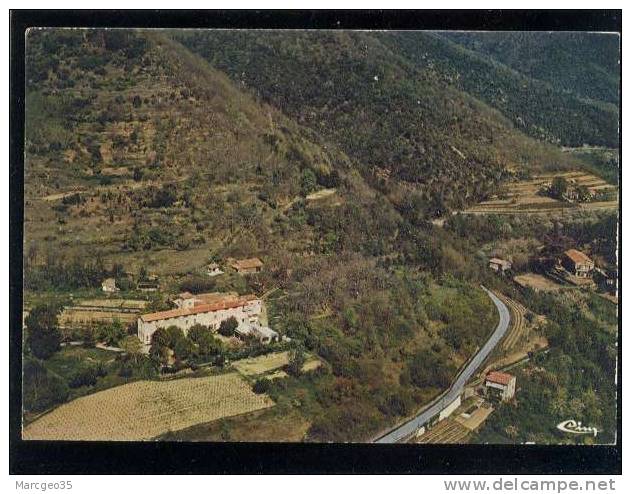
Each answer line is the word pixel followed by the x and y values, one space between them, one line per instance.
pixel 149 150
pixel 523 197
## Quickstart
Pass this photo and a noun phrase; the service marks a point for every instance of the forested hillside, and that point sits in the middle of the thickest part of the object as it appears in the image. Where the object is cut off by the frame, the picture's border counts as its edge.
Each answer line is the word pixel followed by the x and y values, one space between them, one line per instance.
pixel 586 64
pixel 158 152
pixel 142 157
pixel 540 82
pixel 399 121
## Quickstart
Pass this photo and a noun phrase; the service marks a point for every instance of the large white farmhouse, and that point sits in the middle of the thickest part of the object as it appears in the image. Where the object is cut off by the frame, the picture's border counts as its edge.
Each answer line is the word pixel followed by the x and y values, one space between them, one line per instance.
pixel 206 309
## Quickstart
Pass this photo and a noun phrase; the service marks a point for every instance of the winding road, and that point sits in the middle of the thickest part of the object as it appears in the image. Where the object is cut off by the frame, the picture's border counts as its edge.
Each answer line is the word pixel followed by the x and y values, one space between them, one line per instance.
pixel 408 428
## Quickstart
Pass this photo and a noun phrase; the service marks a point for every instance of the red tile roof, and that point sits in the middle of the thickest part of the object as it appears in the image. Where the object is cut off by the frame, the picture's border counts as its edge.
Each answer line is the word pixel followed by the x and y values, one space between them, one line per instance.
pixel 577 256
pixel 497 260
pixel 200 309
pixel 499 377
pixel 252 263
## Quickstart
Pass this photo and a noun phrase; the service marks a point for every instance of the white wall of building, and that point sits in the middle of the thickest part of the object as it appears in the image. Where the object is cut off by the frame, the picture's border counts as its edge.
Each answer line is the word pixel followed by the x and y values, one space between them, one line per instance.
pixel 244 315
pixel 507 391
pixel 449 409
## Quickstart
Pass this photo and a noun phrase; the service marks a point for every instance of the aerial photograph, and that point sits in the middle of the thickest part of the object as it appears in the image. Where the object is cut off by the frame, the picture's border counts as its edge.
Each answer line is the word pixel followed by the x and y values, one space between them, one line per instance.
pixel 345 236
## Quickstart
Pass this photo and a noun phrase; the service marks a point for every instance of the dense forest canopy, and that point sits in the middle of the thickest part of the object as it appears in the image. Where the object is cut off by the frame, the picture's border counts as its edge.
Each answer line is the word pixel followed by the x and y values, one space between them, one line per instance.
pixel 586 64
pixel 397 119
pixel 561 89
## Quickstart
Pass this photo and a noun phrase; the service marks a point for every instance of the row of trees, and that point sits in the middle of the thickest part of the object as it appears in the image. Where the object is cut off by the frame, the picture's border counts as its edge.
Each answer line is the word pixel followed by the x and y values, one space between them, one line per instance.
pixel 44 336
pixel 59 272
pixel 171 345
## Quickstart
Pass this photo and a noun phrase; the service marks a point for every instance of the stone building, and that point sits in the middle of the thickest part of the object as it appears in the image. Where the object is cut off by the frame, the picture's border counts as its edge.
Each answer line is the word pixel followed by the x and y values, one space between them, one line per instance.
pixel 245 309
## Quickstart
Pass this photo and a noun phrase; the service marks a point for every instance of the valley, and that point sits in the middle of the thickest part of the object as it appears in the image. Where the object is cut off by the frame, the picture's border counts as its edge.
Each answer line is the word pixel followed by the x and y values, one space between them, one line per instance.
pixel 307 236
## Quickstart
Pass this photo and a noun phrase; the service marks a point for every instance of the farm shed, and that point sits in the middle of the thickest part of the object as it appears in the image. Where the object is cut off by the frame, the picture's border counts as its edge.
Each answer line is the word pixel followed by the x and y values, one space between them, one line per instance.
pixel 213 269
pixel 247 266
pixel 499 265
pixel 109 285
pixel 449 409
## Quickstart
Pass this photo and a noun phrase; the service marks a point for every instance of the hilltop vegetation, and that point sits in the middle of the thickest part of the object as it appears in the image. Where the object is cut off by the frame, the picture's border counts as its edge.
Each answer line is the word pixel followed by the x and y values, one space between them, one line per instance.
pixel 424 145
pixel 586 64
pixel 159 151
pixel 546 100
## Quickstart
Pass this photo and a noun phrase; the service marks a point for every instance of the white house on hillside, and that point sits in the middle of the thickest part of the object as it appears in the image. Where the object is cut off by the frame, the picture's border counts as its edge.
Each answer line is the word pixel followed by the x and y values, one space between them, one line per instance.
pixel 213 269
pixel 500 384
pixel 499 265
pixel 245 309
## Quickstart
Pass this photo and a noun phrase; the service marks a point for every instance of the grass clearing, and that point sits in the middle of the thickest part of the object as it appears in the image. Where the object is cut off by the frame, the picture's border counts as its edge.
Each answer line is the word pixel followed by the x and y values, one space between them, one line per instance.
pixel 268 425
pixel 69 359
pixel 271 362
pixel 146 409
pixel 537 282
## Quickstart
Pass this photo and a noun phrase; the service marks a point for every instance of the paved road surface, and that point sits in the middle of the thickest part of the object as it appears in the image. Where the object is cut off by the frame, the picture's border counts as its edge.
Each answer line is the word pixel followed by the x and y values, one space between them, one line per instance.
pixel 409 428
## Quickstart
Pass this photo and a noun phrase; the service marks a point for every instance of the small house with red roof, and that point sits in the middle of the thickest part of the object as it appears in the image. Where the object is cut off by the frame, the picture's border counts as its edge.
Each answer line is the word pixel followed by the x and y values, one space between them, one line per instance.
pixel 247 266
pixel 500 384
pixel 577 263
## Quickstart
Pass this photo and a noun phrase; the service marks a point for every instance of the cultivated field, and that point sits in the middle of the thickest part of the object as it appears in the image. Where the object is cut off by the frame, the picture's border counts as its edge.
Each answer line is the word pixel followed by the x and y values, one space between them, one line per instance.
pixel 271 362
pixel 146 409
pixel 537 282
pixel 113 303
pixel 102 310
pixel 523 198
pixel 447 431
pixel 78 316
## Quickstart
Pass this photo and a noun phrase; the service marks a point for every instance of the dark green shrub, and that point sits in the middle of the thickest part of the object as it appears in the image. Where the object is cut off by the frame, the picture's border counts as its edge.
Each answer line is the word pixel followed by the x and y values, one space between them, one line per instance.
pixel 228 326
pixel 84 377
pixel 261 386
pixel 41 388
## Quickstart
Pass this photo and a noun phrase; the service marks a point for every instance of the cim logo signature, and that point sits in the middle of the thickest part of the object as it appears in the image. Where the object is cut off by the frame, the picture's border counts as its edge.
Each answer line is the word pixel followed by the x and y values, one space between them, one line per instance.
pixel 574 427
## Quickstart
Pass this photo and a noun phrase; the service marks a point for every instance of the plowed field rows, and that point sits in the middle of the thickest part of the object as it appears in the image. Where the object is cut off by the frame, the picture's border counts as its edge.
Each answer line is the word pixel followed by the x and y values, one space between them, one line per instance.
pixel 145 409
